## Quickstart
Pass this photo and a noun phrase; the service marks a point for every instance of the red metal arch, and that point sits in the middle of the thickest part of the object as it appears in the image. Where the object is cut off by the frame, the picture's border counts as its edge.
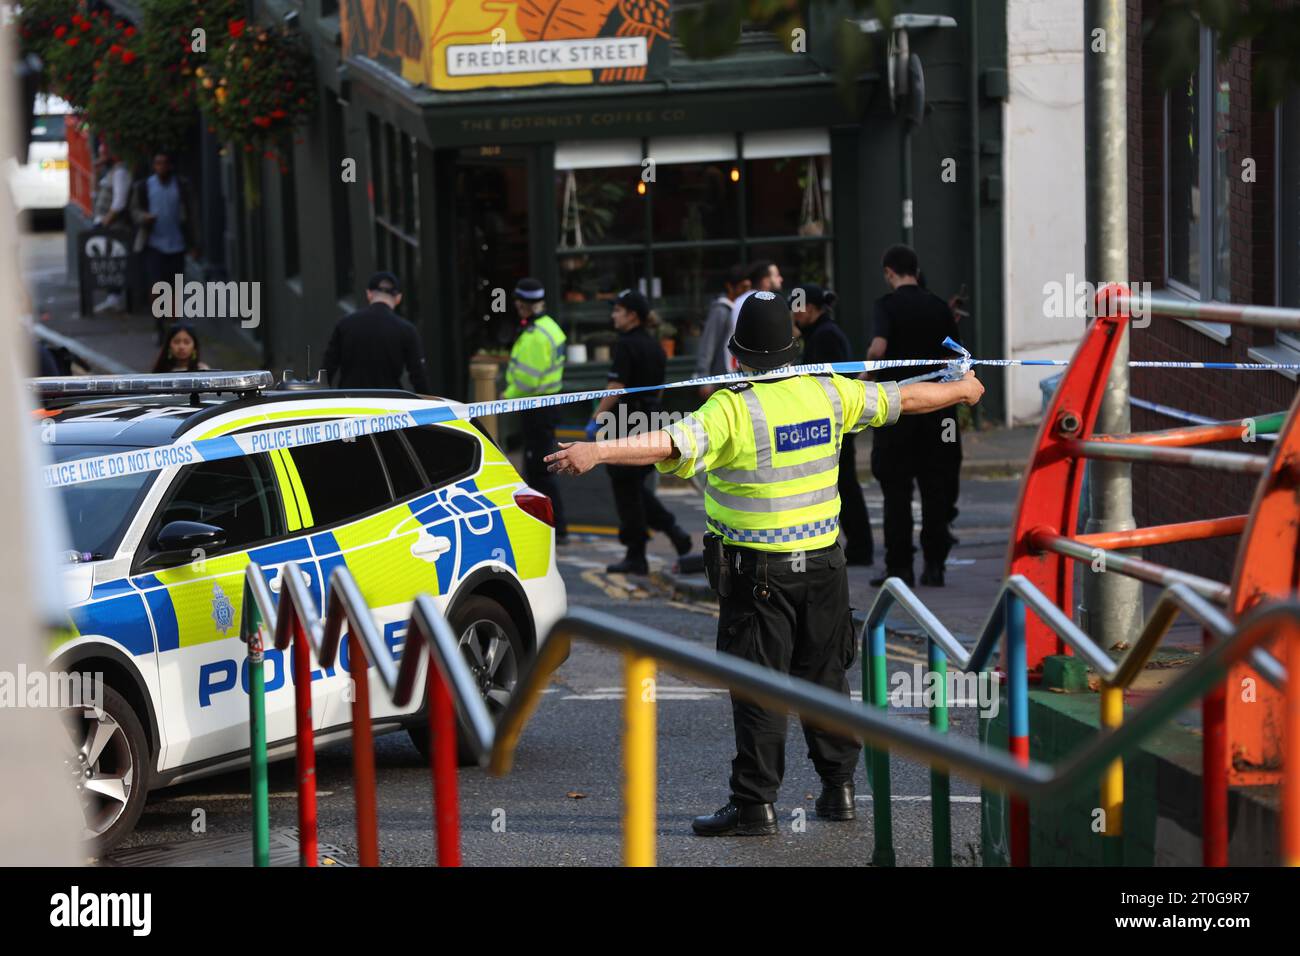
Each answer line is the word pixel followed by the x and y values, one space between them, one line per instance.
pixel 1267 567
pixel 1053 481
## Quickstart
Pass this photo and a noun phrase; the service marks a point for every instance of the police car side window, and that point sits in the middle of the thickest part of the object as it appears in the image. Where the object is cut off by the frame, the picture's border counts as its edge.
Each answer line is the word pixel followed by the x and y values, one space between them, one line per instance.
pixel 402 473
pixel 444 454
pixel 342 479
pixel 235 494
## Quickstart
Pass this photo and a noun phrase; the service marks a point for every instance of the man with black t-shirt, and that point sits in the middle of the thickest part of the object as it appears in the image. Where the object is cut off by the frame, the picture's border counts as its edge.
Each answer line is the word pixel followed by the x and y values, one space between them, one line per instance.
pixel 911 323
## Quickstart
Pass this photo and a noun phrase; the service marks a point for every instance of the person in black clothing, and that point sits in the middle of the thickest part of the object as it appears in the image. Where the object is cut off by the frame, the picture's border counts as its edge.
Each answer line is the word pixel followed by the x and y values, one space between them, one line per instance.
pixel 371 346
pixel 825 341
pixel 638 360
pixel 911 323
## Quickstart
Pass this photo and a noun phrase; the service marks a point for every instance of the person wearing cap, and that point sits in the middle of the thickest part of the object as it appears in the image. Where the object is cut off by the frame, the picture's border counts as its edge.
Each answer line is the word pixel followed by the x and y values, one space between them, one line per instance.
pixel 537 368
pixel 770 449
pixel 825 341
pixel 638 361
pixel 371 347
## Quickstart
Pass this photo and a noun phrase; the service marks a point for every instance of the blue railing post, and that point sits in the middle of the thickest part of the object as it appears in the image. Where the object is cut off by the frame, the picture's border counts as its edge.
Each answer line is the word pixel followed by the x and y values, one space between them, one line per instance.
pixel 1017 720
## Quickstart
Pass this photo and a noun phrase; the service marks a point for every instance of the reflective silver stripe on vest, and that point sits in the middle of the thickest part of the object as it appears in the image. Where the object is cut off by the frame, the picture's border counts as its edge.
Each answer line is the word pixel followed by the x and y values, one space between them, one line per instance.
pixel 894 400
pixel 803 469
pixel 784 503
pixel 536 372
pixel 700 435
pixel 549 337
pixel 758 420
pixel 833 396
pixel 799 532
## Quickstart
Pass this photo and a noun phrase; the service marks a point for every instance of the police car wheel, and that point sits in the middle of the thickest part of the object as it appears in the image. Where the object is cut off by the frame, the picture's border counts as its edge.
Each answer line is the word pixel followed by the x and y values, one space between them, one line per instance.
pixel 494 651
pixel 107 758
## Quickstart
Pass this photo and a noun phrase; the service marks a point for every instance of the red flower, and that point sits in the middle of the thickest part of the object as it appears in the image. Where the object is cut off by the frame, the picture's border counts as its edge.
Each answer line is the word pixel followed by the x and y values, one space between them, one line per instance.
pixel 129 31
pixel 98 40
pixel 236 27
pixel 261 121
pixel 244 101
pixel 278 114
pixel 59 32
pixel 128 57
pixel 85 25
pixel 114 49
pixel 72 41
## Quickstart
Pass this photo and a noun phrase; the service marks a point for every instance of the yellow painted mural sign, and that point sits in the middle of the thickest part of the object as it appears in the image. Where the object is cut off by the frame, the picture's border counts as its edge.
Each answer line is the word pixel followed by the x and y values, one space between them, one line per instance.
pixel 475 44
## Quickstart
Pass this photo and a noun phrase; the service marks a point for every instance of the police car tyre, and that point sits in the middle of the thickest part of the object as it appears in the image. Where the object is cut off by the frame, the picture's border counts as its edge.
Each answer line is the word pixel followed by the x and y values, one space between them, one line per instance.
pixel 107 761
pixel 495 652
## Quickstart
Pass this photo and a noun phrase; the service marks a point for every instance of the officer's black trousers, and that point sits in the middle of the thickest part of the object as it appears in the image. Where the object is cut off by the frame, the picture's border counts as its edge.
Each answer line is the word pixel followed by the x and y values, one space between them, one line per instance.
pixel 539 441
pixel 638 507
pixel 914 451
pixel 858 543
pixel 804 628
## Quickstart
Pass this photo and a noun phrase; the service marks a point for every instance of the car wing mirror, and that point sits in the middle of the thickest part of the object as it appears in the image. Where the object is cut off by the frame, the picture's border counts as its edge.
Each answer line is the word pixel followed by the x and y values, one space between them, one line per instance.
pixel 180 539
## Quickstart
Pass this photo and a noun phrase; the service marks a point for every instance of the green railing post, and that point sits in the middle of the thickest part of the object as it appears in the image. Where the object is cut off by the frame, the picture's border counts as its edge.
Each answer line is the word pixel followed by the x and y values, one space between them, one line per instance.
pixel 875 683
pixel 940 801
pixel 257 738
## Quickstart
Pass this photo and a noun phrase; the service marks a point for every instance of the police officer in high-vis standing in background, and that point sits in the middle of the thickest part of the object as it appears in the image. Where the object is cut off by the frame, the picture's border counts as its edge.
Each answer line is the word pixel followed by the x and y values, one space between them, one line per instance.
pixel 771 451
pixel 537 368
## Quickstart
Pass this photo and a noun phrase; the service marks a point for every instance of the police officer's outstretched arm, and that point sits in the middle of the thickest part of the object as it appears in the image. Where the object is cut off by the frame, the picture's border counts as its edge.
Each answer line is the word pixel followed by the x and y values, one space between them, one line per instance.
pixel 921 397
pixel 579 457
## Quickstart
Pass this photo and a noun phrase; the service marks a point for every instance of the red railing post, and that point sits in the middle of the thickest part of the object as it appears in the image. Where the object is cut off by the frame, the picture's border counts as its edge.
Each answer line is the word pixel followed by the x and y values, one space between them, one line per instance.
pixel 363 758
pixel 442 736
pixel 305 749
pixel 1214 772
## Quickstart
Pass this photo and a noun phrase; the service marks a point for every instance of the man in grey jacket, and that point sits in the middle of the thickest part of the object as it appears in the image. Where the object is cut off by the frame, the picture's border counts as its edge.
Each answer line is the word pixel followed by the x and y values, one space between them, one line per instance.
pixel 712 356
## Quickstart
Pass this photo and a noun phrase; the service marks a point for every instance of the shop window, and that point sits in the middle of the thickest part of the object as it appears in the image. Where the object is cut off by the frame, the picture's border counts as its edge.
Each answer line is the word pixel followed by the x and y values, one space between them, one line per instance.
pixel 1199 139
pixel 395 183
pixel 670 215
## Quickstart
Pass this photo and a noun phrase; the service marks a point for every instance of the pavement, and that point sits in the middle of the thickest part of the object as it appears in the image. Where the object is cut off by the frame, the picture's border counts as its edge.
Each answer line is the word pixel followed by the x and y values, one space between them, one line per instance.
pixel 111 343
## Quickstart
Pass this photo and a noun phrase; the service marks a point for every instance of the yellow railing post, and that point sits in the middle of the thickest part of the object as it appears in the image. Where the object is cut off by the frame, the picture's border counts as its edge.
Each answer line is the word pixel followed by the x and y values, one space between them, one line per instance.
pixel 1112 780
pixel 639 761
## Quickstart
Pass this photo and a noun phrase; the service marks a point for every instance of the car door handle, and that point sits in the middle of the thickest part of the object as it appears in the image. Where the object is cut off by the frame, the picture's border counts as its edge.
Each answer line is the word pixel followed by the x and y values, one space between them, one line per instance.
pixel 427 547
pixel 278 581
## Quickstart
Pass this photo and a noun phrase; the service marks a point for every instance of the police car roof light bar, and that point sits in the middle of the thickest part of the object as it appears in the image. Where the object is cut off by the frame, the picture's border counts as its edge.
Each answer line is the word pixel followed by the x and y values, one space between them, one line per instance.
pixel 167 383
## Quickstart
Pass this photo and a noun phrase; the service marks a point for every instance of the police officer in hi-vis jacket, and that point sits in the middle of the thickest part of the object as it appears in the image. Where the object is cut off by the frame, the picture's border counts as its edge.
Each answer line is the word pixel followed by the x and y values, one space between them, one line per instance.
pixel 771 452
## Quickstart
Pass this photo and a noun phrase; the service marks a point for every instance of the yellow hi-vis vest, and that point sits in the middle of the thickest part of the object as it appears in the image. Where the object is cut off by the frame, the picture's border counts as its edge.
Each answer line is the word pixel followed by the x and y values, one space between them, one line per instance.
pixel 772 453
pixel 536 360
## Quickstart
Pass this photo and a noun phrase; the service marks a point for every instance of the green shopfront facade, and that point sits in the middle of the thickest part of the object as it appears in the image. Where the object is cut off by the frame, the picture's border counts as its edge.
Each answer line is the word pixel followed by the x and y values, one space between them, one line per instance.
pixel 659 185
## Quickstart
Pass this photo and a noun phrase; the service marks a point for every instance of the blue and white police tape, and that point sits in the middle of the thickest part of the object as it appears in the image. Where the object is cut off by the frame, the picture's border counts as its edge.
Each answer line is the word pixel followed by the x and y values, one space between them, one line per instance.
pixel 140 461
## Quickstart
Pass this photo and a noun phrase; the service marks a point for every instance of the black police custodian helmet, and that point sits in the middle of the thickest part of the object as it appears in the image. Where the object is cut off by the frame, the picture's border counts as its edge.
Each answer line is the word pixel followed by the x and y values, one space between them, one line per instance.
pixel 764 336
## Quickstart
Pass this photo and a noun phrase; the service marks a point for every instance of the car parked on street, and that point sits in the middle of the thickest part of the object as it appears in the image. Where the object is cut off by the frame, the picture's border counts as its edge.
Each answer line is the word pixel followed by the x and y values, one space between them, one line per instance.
pixel 158 564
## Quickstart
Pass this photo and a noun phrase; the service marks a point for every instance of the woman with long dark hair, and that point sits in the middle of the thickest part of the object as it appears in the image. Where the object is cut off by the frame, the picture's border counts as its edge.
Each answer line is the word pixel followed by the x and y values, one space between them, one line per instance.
pixel 180 351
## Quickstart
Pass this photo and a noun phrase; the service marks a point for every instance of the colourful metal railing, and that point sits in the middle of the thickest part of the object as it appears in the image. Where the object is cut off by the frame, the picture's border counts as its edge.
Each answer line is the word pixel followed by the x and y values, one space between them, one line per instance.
pixel 1007 618
pixel 449 687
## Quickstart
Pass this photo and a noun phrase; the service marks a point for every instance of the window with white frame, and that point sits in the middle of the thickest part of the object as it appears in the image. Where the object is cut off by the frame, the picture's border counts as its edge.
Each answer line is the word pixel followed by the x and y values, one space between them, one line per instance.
pixel 1199 166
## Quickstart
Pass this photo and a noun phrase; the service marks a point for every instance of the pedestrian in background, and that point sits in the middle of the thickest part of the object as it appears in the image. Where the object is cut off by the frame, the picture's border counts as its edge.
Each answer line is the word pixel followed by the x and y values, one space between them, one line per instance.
pixel 537 368
pixel 638 361
pixel 371 347
pixel 825 341
pixel 112 197
pixel 925 450
pixel 713 355
pixel 163 210
pixel 180 351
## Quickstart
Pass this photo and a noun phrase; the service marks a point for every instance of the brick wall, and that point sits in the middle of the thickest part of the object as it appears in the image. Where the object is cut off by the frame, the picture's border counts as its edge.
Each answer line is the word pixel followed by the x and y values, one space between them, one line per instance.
pixel 1163 495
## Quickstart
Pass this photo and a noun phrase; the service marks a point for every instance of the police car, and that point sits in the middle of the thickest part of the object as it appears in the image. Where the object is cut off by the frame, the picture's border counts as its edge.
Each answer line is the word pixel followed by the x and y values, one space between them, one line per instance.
pixel 158 559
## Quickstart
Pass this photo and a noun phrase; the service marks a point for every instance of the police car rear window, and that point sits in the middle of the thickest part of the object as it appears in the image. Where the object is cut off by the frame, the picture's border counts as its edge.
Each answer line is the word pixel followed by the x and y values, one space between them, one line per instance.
pixel 445 455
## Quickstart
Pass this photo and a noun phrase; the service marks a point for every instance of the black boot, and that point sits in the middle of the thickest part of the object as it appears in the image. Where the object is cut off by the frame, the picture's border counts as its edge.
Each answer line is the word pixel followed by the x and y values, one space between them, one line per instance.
pixel 680 539
pixel 905 576
pixel 633 563
pixel 933 574
pixel 744 819
pixel 836 802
